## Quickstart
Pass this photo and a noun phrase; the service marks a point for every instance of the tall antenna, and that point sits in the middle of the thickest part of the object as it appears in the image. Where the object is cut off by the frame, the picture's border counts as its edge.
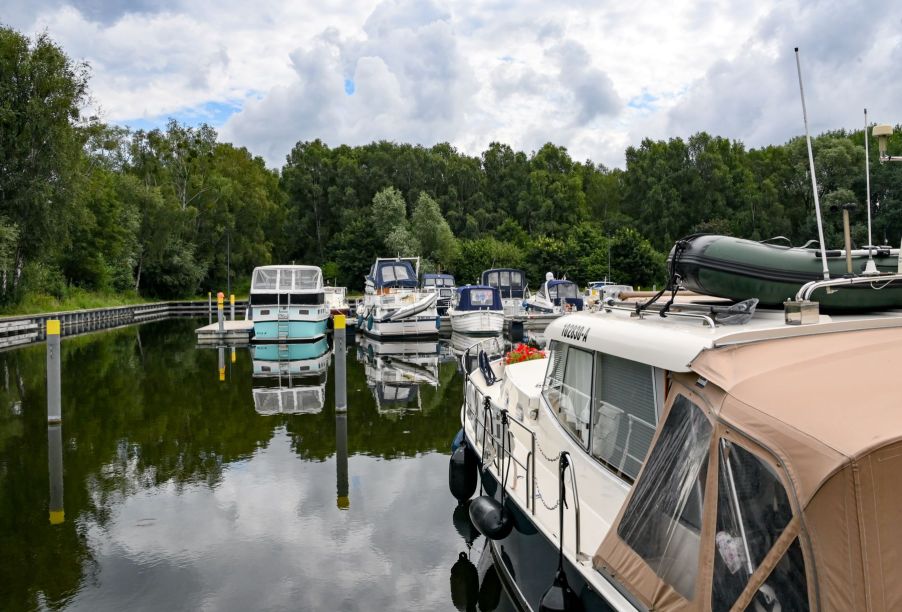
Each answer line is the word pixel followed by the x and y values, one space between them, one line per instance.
pixel 817 202
pixel 870 267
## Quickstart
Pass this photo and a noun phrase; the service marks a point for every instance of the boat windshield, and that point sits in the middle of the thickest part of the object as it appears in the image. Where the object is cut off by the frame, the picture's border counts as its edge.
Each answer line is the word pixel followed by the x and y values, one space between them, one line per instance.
pixel 563 290
pixel 286 279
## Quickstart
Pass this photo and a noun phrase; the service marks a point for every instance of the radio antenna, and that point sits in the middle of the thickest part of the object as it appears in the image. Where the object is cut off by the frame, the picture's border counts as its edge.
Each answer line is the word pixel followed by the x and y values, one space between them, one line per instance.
pixel 817 203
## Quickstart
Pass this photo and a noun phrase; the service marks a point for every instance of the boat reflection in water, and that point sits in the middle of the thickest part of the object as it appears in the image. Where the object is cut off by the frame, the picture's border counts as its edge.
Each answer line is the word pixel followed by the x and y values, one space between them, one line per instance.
pixel 395 371
pixel 290 378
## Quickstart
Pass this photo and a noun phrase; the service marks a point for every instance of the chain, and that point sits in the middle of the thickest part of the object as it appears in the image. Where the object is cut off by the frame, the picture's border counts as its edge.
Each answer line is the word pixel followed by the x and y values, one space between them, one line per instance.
pixel 542 499
pixel 547 458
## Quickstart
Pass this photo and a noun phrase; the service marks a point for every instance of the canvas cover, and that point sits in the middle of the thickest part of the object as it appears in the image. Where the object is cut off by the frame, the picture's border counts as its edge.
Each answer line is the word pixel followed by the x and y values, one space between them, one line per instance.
pixel 393 273
pixel 511 282
pixel 823 414
pixel 478 297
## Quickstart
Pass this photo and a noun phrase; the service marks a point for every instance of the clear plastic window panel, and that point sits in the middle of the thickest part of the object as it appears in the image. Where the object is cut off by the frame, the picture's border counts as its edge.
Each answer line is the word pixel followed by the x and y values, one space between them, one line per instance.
pixel 567 290
pixel 657 522
pixel 505 279
pixel 388 274
pixel 568 388
pixel 481 297
pixel 429 282
pixel 401 273
pixel 752 511
pixel 306 279
pixel 516 279
pixel 492 279
pixel 787 586
pixel 624 415
pixel 286 280
pixel 265 280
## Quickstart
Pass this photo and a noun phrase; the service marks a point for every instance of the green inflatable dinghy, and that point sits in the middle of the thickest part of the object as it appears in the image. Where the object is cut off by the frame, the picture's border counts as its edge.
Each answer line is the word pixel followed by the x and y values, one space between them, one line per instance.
pixel 738 269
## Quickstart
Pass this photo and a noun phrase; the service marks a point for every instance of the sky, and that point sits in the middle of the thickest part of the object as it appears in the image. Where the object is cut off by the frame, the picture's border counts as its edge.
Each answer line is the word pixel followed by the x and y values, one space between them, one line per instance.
pixel 595 77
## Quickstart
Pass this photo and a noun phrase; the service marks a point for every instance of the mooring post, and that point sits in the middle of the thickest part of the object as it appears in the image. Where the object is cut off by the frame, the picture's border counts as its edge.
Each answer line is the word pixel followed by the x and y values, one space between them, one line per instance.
pixel 209 307
pixel 341 460
pixel 341 376
pixel 219 306
pixel 221 362
pixel 55 466
pixel 234 355
pixel 54 395
pixel 232 303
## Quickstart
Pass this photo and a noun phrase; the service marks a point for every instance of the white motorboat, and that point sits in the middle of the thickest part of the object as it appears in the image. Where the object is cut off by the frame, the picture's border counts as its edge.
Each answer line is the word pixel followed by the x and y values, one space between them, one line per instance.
pixel 396 370
pixel 336 299
pixel 393 305
pixel 291 378
pixel 555 296
pixel 443 286
pixel 511 283
pixel 477 310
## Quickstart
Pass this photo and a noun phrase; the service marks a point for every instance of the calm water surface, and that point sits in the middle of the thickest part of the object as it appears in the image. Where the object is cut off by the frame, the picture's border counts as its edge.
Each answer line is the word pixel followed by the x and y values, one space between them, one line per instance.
pixel 184 492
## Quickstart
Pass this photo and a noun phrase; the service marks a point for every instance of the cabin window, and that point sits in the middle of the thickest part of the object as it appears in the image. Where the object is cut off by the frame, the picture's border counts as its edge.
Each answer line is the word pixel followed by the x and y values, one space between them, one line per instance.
pixel 516 279
pixel 265 280
pixel 429 282
pixel 505 279
pixel 481 297
pixel 567 290
pixel 286 280
pixel 306 279
pixel 657 521
pixel 624 415
pixel 568 388
pixel 752 511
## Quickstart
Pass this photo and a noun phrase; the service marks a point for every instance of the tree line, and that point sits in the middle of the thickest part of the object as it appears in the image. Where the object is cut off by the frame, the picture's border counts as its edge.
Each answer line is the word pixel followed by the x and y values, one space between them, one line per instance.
pixel 171 212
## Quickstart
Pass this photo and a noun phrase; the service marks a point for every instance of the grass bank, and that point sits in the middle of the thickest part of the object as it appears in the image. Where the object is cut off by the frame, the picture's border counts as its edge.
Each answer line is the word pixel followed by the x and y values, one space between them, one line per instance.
pixel 75 299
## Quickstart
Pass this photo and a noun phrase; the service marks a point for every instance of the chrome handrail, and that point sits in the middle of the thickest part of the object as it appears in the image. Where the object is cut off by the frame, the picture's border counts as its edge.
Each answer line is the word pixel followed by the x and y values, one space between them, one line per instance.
pixel 810 287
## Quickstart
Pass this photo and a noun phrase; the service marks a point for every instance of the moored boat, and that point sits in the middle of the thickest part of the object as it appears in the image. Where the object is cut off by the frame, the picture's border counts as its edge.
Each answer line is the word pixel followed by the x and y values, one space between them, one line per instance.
pixel 393 305
pixel 511 283
pixel 443 286
pixel 739 269
pixel 290 378
pixel 704 466
pixel 555 296
pixel 477 310
pixel 336 299
pixel 287 303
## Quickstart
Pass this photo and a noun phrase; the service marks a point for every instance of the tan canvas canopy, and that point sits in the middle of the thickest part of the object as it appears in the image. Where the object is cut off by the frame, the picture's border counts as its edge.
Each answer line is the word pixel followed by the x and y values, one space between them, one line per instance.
pixel 823 415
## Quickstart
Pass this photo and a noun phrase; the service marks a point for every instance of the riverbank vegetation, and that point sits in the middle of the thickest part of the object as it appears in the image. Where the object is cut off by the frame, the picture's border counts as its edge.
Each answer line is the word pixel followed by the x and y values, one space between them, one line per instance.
pixel 92 208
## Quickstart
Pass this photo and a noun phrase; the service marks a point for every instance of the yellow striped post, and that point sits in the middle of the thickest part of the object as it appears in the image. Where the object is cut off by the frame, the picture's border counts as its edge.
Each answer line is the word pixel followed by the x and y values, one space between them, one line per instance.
pixel 54 392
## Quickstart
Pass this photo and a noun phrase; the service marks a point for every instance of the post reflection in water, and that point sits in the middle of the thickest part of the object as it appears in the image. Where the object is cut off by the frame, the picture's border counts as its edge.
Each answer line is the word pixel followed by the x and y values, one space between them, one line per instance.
pixel 55 469
pixel 181 494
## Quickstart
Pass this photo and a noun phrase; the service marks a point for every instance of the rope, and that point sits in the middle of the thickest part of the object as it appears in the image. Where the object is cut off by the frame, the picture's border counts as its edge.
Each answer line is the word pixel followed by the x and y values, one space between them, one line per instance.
pixel 673 282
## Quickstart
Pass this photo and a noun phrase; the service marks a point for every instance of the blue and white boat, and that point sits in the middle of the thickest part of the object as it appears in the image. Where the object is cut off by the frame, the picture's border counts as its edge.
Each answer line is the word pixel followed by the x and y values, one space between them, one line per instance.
pixel 555 297
pixel 393 305
pixel 288 303
pixel 477 310
pixel 290 378
pixel 511 284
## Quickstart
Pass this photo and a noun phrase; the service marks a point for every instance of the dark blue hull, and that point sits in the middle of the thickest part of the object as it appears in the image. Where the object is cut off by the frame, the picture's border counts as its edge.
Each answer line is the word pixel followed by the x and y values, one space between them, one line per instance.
pixel 527 561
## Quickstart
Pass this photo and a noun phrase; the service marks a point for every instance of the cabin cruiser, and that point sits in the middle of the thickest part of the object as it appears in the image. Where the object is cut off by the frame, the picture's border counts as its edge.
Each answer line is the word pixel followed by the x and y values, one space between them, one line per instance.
pixel 598 291
pixel 443 286
pixel 511 283
pixel 477 310
pixel 393 305
pixel 555 297
pixel 293 382
pixel 396 370
pixel 287 303
pixel 336 298
pixel 690 456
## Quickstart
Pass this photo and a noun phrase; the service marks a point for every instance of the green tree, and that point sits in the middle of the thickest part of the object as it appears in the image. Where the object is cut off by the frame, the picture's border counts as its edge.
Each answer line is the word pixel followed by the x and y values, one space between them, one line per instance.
pixel 437 243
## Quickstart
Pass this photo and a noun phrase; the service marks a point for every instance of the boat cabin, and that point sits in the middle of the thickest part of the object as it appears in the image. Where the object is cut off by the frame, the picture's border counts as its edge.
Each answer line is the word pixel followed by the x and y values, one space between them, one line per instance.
pixel 760 474
pixel 438 280
pixel 280 285
pixel 477 297
pixel 510 282
pixel 562 293
pixel 387 274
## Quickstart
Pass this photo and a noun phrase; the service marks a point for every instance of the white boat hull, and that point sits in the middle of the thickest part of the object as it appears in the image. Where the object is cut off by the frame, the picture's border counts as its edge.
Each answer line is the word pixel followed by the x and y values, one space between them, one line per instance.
pixel 416 326
pixel 474 322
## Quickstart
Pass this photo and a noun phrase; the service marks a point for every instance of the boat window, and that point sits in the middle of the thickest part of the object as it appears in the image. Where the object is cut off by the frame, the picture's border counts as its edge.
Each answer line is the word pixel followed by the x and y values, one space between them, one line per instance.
pixel 401 273
pixel 787 586
pixel 265 280
pixel 752 511
pixel 306 279
pixel 567 290
pixel 552 293
pixel 624 415
pixel 657 521
pixel 568 388
pixel 481 297
pixel 286 280
pixel 429 282
pixel 516 279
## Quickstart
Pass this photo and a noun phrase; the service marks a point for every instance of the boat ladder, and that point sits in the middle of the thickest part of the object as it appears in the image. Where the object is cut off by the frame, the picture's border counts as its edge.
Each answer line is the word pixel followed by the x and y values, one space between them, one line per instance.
pixel 282 326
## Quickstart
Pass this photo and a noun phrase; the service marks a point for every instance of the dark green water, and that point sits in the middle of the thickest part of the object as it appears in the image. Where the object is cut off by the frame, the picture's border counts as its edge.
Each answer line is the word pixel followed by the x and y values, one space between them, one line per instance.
pixel 179 495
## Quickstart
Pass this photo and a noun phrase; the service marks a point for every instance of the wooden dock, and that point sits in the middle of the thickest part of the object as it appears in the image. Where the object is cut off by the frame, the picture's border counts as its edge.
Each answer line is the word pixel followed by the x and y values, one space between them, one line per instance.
pixel 234 332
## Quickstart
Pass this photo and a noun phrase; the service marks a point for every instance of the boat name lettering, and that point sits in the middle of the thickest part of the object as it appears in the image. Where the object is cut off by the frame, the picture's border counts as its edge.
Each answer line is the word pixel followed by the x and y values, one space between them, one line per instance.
pixel 576 332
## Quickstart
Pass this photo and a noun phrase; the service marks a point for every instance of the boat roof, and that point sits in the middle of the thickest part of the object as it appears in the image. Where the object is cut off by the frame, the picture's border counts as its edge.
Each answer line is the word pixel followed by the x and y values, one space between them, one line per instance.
pixel 559 281
pixel 286 278
pixel 396 272
pixel 673 342
pixel 466 302
pixel 437 275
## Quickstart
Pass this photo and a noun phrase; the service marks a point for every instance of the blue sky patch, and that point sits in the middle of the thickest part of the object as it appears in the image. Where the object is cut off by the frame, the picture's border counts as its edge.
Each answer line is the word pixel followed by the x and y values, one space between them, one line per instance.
pixel 645 101
pixel 349 87
pixel 212 113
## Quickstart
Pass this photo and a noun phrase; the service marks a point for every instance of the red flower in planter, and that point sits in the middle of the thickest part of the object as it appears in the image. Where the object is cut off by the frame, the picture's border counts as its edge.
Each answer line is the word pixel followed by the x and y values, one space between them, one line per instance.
pixel 523 352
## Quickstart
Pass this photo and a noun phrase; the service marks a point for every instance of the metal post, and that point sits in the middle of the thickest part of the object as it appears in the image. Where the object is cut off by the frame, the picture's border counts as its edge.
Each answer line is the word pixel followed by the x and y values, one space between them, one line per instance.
pixel 341 379
pixel 234 355
pixel 219 300
pixel 55 466
pixel 229 261
pixel 221 362
pixel 232 304
pixel 341 460
pixel 210 307
pixel 54 394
